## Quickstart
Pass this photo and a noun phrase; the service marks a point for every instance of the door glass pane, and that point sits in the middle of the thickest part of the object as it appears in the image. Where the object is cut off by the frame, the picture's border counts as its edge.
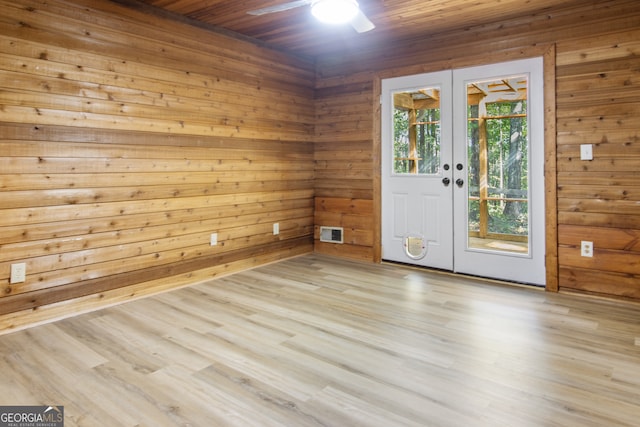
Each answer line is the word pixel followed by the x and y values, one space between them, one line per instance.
pixel 416 131
pixel 498 164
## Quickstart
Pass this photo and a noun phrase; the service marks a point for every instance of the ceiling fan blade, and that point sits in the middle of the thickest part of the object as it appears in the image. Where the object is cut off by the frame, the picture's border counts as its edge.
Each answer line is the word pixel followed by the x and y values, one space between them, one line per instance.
pixel 361 23
pixel 280 7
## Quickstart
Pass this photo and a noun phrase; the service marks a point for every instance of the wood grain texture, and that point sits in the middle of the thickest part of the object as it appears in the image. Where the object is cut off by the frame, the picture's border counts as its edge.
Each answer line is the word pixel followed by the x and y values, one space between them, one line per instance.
pixel 592 87
pixel 397 21
pixel 127 139
pixel 322 341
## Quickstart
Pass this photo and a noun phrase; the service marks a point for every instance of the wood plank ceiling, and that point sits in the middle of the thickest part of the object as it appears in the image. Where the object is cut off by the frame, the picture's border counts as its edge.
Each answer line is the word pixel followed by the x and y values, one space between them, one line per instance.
pixel 297 31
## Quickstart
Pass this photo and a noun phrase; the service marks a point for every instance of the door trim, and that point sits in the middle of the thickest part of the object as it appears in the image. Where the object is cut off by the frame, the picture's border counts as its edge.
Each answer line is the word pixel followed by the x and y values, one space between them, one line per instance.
pixel 548 53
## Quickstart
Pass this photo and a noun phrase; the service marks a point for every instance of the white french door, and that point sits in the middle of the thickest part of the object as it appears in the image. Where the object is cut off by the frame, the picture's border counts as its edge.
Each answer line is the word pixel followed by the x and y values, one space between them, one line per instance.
pixel 462 170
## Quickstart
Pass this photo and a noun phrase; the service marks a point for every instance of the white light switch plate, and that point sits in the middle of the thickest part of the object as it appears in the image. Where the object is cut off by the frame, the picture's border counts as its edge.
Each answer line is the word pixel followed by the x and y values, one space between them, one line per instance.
pixel 18 272
pixel 586 151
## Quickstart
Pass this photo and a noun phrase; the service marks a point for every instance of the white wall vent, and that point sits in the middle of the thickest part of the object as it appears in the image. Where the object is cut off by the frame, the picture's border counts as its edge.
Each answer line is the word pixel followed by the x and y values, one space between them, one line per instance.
pixel 331 234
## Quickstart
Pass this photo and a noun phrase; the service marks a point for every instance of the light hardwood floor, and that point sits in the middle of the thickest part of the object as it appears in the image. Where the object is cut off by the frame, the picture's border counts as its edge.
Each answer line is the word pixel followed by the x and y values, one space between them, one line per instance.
pixel 318 341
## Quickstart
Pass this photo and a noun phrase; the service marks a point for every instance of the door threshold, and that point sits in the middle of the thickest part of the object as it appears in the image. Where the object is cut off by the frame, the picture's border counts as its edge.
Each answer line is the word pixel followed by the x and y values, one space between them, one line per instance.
pixel 470 276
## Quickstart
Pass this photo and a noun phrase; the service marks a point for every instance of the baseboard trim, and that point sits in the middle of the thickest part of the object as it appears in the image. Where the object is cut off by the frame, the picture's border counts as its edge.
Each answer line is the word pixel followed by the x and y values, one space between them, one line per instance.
pixel 19 320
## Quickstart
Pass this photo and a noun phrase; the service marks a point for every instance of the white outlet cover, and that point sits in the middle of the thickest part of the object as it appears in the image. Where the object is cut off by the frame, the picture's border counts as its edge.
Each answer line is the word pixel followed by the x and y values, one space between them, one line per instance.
pixel 214 239
pixel 586 249
pixel 276 228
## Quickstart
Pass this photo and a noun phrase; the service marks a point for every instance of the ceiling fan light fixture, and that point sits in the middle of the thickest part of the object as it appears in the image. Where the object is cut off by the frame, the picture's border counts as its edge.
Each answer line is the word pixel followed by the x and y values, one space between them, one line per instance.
pixel 335 11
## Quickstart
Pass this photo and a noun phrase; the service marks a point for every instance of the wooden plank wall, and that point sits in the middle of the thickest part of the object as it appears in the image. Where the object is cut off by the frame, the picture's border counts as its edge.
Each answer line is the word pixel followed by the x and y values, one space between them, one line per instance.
pixel 597 87
pixel 345 169
pixel 126 139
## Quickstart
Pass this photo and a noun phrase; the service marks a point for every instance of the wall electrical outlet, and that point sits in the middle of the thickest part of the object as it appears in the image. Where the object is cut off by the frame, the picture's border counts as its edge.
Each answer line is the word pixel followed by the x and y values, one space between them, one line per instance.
pixel 18 272
pixel 214 239
pixel 586 249
pixel 276 228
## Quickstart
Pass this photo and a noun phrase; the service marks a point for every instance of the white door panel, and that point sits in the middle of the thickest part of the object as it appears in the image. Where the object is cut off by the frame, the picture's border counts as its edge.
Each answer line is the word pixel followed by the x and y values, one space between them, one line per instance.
pixel 400 215
pixel 419 214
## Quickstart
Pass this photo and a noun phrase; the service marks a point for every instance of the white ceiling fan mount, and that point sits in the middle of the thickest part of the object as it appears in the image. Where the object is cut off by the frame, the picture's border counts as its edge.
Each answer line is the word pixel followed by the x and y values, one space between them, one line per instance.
pixel 327 11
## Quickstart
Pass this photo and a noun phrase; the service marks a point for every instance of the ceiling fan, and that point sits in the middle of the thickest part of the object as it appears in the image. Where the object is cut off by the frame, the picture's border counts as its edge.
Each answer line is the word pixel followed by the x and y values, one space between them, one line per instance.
pixel 328 11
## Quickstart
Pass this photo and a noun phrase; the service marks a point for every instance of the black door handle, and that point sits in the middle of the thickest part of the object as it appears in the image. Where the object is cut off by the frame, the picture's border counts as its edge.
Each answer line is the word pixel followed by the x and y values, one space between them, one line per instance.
pixel 459 182
pixel 446 181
